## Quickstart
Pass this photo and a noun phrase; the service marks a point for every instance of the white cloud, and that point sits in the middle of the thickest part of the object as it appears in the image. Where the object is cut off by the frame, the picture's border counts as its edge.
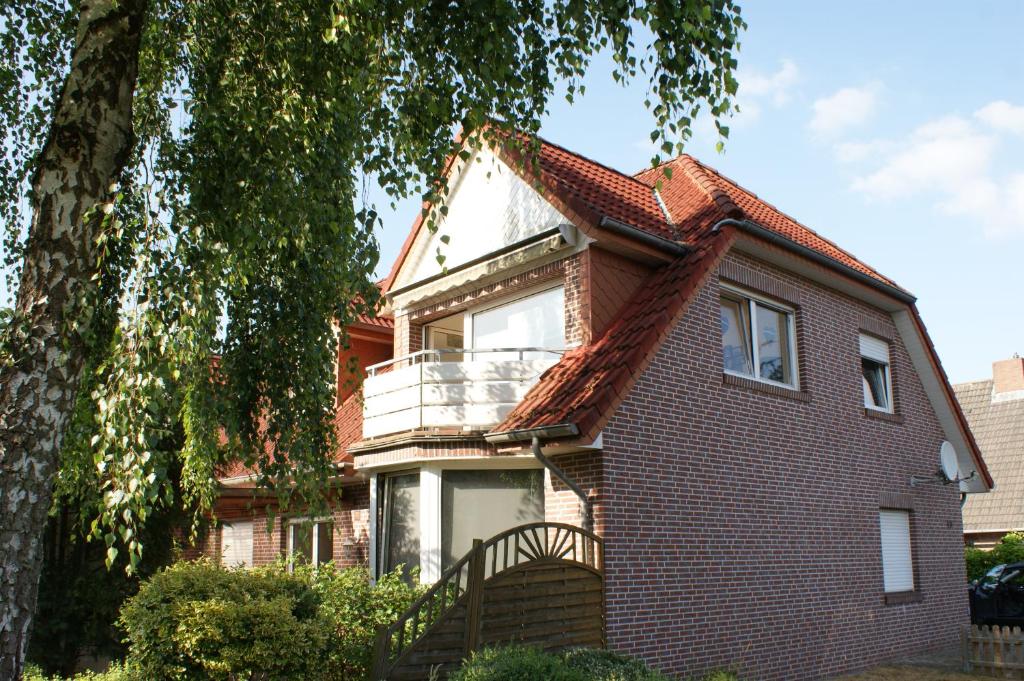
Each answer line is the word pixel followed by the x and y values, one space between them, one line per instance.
pixel 774 86
pixel 1002 115
pixel 946 153
pixel 846 108
pixel 952 160
pixel 756 88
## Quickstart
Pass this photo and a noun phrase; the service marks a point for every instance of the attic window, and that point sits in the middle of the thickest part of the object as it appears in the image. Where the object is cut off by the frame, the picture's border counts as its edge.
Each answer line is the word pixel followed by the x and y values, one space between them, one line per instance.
pixel 757 338
pixel 877 376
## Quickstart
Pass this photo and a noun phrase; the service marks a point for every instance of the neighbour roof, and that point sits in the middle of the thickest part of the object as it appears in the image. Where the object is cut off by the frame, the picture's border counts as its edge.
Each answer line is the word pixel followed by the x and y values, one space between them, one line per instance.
pixel 998 427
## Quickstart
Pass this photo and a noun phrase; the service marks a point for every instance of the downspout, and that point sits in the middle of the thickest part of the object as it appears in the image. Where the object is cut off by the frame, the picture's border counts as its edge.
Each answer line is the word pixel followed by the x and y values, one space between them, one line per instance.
pixel 585 506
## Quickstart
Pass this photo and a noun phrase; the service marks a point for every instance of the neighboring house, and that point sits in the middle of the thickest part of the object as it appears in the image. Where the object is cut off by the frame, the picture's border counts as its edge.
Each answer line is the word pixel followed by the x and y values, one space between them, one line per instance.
pixel 995 411
pixel 743 403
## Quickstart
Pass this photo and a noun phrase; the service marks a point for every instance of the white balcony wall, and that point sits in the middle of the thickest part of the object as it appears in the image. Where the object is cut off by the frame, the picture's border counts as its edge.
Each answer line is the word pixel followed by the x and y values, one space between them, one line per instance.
pixel 471 395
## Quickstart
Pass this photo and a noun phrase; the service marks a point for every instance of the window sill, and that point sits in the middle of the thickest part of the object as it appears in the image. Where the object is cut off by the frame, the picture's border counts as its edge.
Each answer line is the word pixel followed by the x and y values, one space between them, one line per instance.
pixel 761 386
pixel 882 415
pixel 903 597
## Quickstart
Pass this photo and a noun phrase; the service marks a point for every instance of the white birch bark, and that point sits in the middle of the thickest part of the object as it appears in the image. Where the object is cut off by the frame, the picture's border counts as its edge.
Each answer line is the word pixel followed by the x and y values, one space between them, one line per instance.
pixel 89 142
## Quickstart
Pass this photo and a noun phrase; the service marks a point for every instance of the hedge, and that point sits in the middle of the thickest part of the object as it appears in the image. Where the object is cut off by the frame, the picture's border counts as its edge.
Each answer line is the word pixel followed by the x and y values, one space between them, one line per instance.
pixel 1010 549
pixel 522 663
pixel 201 621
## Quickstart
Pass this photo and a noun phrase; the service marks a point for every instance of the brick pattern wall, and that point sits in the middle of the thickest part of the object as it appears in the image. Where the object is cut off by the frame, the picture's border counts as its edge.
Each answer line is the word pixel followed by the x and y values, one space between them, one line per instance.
pixel 561 505
pixel 741 526
pixel 613 281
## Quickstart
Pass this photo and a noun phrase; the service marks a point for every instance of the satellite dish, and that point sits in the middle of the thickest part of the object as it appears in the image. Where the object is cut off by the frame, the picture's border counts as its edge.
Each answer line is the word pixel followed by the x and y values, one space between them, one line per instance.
pixel 948 461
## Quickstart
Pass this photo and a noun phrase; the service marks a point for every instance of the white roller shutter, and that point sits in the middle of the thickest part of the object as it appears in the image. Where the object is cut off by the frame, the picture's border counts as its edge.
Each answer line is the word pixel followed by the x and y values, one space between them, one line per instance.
pixel 874 348
pixel 236 544
pixel 897 562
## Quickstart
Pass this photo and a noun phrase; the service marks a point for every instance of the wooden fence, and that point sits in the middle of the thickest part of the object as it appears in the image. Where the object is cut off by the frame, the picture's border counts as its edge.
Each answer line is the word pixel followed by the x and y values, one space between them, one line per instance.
pixel 541 583
pixel 998 651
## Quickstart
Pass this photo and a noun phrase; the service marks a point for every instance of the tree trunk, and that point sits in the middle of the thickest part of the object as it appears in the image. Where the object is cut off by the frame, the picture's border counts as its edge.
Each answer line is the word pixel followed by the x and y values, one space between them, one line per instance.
pixel 89 143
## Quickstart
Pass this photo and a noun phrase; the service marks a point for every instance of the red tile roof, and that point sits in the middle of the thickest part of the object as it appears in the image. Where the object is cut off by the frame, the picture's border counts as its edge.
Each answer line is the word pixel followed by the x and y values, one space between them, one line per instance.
pixel 602 191
pixel 382 321
pixel 697 196
pixel 586 386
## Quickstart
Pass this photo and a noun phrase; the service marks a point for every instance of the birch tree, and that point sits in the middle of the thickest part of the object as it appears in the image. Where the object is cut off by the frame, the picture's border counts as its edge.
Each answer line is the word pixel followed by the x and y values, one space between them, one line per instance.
pixel 183 190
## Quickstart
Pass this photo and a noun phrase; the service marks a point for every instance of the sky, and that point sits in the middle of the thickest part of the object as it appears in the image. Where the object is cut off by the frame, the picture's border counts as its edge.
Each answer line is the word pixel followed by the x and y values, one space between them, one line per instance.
pixel 894 129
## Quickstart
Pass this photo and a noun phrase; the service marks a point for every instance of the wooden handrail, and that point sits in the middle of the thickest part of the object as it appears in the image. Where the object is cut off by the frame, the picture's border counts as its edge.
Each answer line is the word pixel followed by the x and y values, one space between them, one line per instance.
pixel 464 580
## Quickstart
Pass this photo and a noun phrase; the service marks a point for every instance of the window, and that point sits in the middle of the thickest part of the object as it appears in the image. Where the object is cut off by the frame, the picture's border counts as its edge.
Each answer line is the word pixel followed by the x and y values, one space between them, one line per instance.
pixel 445 334
pixel 757 339
pixel 478 504
pixel 874 361
pixel 536 321
pixel 399 520
pixel 313 540
pixel 897 561
pixel 236 544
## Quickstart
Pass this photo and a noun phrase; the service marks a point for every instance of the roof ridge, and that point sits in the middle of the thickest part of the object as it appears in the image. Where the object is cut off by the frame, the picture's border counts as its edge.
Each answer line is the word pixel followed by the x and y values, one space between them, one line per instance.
pixel 699 174
pixel 977 380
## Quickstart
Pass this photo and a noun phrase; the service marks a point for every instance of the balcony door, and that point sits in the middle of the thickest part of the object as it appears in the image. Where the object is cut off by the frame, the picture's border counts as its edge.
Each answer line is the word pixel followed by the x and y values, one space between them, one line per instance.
pixel 445 334
pixel 533 321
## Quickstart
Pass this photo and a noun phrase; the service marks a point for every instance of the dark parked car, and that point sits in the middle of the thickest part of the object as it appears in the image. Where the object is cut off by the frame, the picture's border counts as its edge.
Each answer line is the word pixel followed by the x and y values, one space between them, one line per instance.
pixel 998 597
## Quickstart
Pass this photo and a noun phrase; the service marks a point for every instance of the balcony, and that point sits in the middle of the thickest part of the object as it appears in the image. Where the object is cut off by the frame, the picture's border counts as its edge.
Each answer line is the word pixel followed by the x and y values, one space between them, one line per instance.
pixel 450 388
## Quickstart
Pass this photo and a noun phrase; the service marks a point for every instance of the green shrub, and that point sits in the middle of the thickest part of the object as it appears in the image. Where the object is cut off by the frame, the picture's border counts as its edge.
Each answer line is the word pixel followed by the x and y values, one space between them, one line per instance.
pixel 520 663
pixel 516 663
pixel 608 666
pixel 199 620
pixel 115 673
pixel 1010 549
pixel 353 610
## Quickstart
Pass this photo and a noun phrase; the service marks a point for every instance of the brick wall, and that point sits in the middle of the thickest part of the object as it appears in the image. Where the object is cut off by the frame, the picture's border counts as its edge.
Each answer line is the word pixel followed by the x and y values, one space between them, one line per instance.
pixel 561 505
pixel 613 281
pixel 741 526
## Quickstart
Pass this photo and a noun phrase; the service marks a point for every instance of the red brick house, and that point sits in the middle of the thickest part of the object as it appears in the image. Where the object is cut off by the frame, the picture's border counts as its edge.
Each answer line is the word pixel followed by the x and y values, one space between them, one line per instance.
pixel 743 404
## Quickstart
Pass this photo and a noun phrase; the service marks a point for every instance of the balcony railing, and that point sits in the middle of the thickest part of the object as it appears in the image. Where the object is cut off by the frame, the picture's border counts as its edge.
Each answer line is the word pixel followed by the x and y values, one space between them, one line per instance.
pixel 451 388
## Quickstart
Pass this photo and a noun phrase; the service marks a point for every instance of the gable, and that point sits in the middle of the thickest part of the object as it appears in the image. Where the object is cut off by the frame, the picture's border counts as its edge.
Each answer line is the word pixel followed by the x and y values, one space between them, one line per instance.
pixel 490 206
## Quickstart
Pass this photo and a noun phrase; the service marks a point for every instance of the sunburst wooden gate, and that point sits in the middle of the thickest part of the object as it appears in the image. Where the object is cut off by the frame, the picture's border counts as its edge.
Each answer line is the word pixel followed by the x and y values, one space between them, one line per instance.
pixel 541 584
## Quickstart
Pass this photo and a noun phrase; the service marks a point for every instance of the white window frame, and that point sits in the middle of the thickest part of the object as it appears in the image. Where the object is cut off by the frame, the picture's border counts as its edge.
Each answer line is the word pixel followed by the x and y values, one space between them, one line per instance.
pixel 471 312
pixel 430 506
pixel 752 300
pixel 292 522
pixel 908 550
pixel 886 363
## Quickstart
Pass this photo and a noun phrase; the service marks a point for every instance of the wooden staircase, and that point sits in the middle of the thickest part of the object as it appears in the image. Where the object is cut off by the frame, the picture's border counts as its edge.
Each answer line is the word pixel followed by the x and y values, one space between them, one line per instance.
pixel 540 584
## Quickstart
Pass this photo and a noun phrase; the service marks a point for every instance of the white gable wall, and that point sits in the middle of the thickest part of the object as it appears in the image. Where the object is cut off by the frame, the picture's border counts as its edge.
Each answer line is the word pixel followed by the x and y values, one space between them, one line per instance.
pixel 490 207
